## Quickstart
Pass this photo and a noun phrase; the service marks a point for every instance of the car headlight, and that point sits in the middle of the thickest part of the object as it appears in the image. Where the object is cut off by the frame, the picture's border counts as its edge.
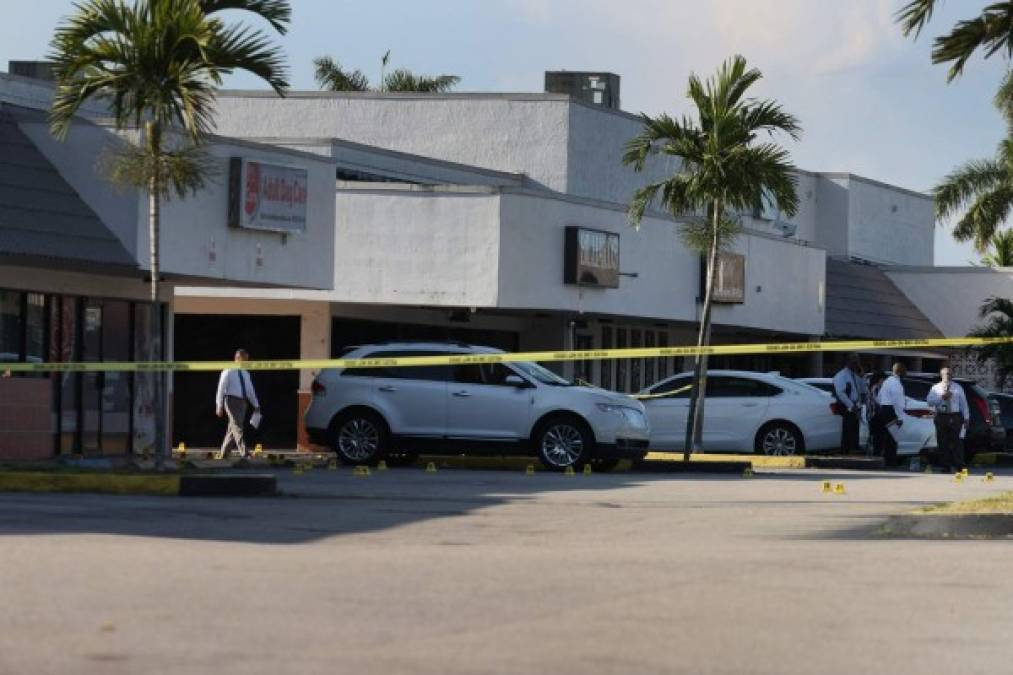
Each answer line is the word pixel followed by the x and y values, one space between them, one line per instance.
pixel 632 415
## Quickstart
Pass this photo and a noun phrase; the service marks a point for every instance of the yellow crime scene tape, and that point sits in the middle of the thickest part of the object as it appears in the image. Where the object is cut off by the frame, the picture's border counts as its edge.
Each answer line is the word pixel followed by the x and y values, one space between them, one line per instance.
pixel 544 357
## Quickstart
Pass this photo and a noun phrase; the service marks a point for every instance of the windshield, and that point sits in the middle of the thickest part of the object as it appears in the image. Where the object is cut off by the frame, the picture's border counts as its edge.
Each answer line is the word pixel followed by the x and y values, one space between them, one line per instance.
pixel 542 374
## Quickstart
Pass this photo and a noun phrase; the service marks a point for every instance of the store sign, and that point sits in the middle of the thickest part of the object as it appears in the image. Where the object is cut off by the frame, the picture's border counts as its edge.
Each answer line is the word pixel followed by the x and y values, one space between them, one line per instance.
pixel 267 196
pixel 729 279
pixel 591 257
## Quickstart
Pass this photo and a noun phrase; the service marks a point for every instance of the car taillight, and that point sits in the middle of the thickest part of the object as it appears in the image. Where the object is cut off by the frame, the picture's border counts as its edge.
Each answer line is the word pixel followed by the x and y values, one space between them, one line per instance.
pixel 918 412
pixel 836 408
pixel 982 407
pixel 318 389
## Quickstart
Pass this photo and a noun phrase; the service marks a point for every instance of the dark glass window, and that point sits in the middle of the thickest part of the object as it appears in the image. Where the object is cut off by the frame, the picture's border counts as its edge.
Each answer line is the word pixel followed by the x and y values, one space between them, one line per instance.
pixel 649 363
pixel 482 373
pixel 609 364
pixel 621 364
pixel 635 364
pixel 582 369
pixel 70 383
pixel 728 387
pixel 663 362
pixel 11 327
pixel 679 387
pixel 434 373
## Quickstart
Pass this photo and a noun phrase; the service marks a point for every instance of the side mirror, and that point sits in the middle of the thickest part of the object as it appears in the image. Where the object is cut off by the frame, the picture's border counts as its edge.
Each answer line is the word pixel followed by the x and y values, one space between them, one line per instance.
pixel 516 381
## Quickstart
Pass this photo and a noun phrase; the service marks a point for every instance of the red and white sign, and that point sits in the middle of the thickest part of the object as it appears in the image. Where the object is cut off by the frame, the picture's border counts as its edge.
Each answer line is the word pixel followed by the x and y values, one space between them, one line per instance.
pixel 267 196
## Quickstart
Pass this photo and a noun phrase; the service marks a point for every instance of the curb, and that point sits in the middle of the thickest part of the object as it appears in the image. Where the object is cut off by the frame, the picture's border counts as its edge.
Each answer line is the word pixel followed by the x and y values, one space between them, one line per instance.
pixel 654 466
pixel 164 485
pixel 949 526
pixel 855 463
pixel 993 459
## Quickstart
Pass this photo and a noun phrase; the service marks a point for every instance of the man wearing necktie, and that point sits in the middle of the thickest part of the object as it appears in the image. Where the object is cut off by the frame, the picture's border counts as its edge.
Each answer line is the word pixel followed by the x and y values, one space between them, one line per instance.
pixel 235 396
pixel 947 398
pixel 848 392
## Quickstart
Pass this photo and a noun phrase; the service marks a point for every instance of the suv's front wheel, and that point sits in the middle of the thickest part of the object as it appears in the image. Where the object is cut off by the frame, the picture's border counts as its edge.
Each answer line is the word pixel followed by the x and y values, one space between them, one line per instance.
pixel 562 442
pixel 360 437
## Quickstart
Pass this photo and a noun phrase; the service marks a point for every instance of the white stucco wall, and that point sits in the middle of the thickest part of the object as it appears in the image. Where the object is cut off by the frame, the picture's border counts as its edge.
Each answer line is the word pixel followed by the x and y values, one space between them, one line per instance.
pixel 195 226
pixel 782 278
pixel 417 246
pixel 506 133
pixel 951 296
pixel 890 225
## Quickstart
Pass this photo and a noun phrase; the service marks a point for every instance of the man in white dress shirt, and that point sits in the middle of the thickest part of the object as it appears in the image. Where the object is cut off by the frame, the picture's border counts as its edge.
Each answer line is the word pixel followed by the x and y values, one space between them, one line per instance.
pixel 848 392
pixel 947 398
pixel 234 398
pixel 892 403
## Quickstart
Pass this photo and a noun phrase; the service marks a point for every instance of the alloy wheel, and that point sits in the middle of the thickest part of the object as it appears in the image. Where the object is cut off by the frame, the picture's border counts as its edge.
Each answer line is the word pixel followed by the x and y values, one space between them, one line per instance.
pixel 562 445
pixel 779 441
pixel 358 439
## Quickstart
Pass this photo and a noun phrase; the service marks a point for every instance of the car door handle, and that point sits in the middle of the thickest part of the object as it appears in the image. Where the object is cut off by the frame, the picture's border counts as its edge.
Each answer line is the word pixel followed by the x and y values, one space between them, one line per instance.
pixel 462 394
pixel 388 387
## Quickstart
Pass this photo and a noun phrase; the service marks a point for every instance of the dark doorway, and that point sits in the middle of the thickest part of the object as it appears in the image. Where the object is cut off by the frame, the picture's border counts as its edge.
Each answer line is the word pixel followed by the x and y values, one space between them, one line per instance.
pixel 215 338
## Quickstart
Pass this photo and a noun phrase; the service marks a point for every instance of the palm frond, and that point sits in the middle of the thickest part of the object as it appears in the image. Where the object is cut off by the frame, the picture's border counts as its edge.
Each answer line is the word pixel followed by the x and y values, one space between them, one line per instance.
pixel 332 77
pixel 405 80
pixel 1001 250
pixel 278 13
pixel 984 217
pixel 697 234
pixel 991 32
pixel 913 16
pixel 181 171
pixel 966 183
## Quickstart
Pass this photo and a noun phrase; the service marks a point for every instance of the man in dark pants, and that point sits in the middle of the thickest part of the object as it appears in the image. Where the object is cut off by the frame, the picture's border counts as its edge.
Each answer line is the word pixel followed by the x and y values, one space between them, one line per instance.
pixel 892 403
pixel 947 398
pixel 848 392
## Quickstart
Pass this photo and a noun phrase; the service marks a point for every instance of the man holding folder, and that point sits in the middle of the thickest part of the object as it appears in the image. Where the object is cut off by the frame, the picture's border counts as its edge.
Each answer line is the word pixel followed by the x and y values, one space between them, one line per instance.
pixel 890 417
pixel 235 396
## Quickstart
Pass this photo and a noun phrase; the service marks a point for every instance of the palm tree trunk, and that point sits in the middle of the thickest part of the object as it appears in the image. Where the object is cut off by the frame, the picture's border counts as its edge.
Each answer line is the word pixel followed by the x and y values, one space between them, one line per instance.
pixel 694 421
pixel 153 138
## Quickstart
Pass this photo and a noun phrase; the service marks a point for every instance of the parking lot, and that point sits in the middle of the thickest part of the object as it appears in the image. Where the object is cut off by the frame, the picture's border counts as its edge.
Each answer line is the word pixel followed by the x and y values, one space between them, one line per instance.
pixel 494 571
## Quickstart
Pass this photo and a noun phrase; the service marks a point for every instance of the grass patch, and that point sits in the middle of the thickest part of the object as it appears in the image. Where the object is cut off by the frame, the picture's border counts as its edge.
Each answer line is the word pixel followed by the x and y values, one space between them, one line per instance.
pixel 998 504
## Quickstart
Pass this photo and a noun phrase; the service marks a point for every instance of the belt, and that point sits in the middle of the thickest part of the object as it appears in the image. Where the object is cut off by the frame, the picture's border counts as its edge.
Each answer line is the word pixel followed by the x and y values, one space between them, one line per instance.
pixel 949 414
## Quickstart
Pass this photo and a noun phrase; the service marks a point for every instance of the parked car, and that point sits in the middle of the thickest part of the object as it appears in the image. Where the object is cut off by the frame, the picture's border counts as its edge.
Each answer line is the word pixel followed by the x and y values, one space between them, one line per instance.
pixel 368 414
pixel 985 433
pixel 1005 403
pixel 745 412
pixel 916 434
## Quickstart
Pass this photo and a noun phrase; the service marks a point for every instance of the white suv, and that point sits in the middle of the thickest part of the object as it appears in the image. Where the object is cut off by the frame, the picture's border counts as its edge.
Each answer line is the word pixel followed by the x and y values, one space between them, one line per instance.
pixel 368 414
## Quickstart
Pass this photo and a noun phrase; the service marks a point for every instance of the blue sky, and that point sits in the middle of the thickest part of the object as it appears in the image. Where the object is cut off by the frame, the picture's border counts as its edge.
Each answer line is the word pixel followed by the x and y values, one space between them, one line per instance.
pixel 870 101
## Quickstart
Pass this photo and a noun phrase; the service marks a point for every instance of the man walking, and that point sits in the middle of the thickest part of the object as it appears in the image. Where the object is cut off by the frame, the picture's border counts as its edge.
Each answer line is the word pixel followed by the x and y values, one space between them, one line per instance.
pixel 892 403
pixel 848 392
pixel 947 398
pixel 234 398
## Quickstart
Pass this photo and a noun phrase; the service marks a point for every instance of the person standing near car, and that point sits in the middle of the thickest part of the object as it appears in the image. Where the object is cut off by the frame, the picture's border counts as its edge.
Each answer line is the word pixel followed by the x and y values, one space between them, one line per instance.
pixel 892 403
pixel 872 409
pixel 953 415
pixel 234 398
pixel 848 392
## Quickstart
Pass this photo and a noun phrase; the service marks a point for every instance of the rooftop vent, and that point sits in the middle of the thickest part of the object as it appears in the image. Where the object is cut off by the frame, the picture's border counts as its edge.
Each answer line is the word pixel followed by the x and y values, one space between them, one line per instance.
pixel 38 70
pixel 596 88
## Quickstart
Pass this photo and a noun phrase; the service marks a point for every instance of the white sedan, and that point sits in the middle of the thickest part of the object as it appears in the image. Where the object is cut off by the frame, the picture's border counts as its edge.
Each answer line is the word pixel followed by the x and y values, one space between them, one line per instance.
pixel 917 432
pixel 744 412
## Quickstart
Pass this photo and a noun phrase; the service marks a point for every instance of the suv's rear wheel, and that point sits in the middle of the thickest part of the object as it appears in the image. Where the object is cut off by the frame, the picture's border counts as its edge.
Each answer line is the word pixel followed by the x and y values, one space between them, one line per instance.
pixel 562 442
pixel 360 437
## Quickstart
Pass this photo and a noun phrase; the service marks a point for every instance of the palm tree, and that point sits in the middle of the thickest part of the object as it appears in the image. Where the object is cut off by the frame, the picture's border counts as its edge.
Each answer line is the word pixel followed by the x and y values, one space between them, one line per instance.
pixel 1001 250
pixel 331 76
pixel 157 64
pixel 991 31
pixel 998 316
pixel 725 169
pixel 983 188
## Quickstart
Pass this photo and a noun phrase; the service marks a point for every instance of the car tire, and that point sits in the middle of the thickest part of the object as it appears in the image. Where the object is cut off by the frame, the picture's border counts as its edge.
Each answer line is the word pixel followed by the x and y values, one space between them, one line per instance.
pixel 562 442
pixel 401 457
pixel 779 439
pixel 360 437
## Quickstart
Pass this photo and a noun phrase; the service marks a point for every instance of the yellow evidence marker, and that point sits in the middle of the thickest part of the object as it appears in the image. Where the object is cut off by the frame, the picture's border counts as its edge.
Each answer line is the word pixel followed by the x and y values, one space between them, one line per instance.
pixel 826 487
pixel 839 489
pixel 529 470
pixel 989 477
pixel 569 471
pixel 431 467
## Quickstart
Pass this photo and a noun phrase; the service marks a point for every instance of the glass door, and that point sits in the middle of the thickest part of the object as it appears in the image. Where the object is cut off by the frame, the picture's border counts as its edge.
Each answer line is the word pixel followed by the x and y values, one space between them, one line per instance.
pixel 92 382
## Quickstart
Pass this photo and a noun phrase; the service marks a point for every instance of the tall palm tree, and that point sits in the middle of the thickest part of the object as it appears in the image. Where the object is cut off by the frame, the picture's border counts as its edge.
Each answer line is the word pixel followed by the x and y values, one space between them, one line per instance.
pixel 1000 250
pixel 991 31
pixel 331 76
pixel 156 64
pixel 998 316
pixel 725 169
pixel 983 188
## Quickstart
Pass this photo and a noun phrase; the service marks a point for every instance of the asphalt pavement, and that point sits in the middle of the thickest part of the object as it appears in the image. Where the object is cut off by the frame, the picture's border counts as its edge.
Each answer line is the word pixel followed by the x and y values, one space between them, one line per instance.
pixel 498 572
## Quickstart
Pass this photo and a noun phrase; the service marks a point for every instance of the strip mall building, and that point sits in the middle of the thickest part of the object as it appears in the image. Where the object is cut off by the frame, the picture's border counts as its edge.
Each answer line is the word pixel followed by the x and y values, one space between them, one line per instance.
pixel 495 219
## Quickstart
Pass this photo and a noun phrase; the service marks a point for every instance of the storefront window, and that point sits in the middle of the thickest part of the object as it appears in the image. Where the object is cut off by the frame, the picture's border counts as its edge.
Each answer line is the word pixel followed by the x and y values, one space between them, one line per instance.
pixel 621 363
pixel 11 328
pixel 70 383
pixel 649 363
pixel 35 328
pixel 662 362
pixel 635 364
pixel 608 364
pixel 116 339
